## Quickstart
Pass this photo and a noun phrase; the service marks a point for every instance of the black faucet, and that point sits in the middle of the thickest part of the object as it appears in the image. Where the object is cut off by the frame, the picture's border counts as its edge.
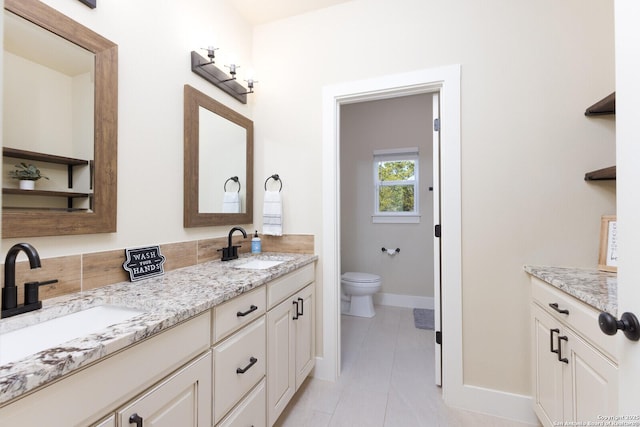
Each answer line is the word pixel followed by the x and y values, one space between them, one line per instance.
pixel 10 305
pixel 231 252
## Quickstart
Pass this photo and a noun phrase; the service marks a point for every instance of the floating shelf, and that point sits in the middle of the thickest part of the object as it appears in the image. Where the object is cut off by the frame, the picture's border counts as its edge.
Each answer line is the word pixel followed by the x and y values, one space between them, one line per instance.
pixel 70 162
pixel 601 174
pixel 49 158
pixel 30 209
pixel 603 107
pixel 47 193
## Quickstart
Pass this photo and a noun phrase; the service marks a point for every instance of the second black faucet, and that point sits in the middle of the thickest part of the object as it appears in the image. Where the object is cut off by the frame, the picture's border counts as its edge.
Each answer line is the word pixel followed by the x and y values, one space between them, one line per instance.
pixel 231 251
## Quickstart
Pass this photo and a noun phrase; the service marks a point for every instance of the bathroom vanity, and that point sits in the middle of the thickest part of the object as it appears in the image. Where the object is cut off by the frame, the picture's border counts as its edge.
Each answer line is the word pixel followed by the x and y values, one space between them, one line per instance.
pixel 575 365
pixel 213 346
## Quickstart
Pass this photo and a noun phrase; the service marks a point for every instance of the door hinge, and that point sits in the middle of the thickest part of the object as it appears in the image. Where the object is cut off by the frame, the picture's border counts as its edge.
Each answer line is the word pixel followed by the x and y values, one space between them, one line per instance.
pixel 436 125
pixel 439 337
pixel 438 231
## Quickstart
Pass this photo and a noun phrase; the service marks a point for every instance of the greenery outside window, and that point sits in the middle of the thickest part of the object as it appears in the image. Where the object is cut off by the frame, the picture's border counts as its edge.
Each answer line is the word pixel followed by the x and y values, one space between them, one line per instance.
pixel 395 174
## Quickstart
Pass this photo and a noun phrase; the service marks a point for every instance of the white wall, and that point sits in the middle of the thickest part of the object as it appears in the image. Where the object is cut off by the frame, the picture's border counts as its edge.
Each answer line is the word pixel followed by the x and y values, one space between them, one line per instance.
pixel 377 125
pixel 155 39
pixel 529 70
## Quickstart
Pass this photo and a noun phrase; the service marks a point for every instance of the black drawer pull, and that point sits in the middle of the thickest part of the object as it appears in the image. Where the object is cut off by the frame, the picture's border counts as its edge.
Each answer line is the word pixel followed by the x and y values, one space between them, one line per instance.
pixel 252 361
pixel 295 316
pixel 244 313
pixel 551 331
pixel 560 358
pixel 301 306
pixel 137 419
pixel 554 305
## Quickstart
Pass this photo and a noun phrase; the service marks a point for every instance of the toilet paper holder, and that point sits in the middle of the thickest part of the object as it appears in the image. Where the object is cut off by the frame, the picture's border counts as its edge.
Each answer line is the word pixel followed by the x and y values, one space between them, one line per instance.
pixel 391 252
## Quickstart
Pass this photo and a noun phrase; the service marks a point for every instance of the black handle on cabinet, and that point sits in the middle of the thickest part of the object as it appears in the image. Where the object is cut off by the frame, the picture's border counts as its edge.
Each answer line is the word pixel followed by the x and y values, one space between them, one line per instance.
pixel 554 305
pixel 560 358
pixel 244 313
pixel 551 331
pixel 301 306
pixel 252 361
pixel 137 419
pixel 628 323
pixel 295 316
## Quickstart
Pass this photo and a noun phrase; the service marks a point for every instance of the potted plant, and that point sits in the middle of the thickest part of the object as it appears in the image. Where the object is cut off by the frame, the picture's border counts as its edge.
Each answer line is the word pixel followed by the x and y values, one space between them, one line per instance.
pixel 27 174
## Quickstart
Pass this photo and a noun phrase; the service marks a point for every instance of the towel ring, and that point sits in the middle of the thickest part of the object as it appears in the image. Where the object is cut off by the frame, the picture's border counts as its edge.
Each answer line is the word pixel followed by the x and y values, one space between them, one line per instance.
pixel 275 177
pixel 234 179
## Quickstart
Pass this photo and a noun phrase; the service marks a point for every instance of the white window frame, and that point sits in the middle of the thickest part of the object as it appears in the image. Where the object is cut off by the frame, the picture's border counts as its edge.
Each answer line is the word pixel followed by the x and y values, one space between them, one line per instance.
pixel 413 217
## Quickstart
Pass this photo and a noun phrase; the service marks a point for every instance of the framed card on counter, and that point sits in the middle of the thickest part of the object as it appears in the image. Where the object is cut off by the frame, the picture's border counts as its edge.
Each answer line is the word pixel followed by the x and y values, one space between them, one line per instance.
pixel 608 258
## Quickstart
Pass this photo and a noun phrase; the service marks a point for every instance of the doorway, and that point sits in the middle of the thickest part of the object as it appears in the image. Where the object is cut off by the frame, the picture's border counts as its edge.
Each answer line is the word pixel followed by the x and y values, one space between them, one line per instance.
pixel 389 198
pixel 446 81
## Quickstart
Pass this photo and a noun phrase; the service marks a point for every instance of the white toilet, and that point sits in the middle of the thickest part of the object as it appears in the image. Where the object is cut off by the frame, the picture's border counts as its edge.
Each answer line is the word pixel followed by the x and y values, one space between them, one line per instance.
pixel 357 293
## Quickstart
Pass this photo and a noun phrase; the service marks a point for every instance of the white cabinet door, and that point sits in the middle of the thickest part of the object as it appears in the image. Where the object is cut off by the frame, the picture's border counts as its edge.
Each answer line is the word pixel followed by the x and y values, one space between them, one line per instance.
pixel 305 338
pixel 280 358
pixel 183 399
pixel 591 382
pixel 547 369
pixel 573 382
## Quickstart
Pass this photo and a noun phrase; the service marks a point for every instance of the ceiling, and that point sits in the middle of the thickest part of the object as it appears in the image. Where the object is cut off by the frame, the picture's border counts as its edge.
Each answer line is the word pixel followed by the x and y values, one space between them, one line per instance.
pixel 262 11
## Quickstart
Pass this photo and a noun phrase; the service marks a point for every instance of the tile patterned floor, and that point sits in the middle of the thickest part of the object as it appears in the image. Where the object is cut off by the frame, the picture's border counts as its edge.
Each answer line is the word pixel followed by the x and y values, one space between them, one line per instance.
pixel 387 381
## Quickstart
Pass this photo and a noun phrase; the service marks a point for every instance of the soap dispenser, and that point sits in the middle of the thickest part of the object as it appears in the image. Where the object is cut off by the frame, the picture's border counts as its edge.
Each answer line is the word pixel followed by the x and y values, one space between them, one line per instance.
pixel 256 244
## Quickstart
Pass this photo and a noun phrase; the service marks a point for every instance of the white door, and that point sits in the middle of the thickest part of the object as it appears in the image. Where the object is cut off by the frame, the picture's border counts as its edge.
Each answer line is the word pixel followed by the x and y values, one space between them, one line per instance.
pixel 436 240
pixel 627 14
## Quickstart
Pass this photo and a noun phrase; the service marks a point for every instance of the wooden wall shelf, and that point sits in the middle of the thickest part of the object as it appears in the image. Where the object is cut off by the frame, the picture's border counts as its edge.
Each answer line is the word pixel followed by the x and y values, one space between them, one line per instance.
pixel 601 174
pixel 47 193
pixel 603 107
pixel 50 158
pixel 41 157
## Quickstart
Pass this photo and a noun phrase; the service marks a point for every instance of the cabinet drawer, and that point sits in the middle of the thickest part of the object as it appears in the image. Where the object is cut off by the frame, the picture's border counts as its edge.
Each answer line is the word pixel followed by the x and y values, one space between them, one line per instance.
pixel 287 285
pixel 232 355
pixel 581 317
pixel 249 412
pixel 240 311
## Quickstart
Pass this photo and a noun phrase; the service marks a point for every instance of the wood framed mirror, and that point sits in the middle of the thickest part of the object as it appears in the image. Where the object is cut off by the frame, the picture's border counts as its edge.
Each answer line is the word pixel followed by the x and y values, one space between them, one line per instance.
pixel 218 162
pixel 101 171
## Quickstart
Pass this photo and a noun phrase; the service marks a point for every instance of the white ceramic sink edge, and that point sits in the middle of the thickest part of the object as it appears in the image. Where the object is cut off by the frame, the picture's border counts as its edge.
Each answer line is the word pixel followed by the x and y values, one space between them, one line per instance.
pixel 19 343
pixel 260 264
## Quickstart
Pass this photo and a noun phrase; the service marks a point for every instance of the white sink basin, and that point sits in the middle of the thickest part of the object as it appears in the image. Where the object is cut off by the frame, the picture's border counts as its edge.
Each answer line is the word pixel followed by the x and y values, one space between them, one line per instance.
pixel 15 345
pixel 260 264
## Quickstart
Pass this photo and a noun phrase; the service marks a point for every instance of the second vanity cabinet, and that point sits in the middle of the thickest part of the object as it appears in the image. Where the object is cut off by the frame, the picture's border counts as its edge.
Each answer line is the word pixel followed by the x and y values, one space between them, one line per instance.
pixel 290 338
pixel 575 372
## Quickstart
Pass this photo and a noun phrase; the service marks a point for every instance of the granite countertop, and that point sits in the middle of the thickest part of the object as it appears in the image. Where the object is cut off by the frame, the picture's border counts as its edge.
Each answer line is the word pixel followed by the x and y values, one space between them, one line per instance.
pixel 598 289
pixel 166 300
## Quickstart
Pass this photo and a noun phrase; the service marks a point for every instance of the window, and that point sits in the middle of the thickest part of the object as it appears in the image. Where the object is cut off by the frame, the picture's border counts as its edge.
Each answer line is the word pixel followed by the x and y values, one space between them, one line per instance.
pixel 395 174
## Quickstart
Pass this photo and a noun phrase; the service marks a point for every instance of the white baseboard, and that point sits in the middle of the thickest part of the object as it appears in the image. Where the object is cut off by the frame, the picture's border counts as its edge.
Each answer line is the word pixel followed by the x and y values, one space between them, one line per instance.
pixel 323 370
pixel 408 301
pixel 496 403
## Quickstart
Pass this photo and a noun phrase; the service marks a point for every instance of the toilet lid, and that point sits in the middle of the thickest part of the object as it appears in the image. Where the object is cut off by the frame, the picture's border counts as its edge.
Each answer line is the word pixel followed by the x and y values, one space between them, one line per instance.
pixel 360 277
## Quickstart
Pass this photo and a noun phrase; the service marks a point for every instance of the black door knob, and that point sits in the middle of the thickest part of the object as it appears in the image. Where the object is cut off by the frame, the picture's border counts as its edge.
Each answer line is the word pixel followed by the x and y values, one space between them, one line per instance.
pixel 628 323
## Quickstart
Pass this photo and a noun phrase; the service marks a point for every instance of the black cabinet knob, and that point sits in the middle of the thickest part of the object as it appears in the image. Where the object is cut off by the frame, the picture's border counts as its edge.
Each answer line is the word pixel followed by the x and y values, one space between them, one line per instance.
pixel 628 323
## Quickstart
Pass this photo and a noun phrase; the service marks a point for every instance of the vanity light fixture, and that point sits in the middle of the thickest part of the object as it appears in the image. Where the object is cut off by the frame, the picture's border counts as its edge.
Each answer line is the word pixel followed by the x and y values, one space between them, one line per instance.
pixel 217 77
pixel 211 53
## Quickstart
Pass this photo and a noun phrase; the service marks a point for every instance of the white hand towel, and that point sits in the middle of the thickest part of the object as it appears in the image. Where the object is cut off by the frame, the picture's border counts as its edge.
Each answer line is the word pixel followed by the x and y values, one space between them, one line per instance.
pixel 231 202
pixel 272 214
